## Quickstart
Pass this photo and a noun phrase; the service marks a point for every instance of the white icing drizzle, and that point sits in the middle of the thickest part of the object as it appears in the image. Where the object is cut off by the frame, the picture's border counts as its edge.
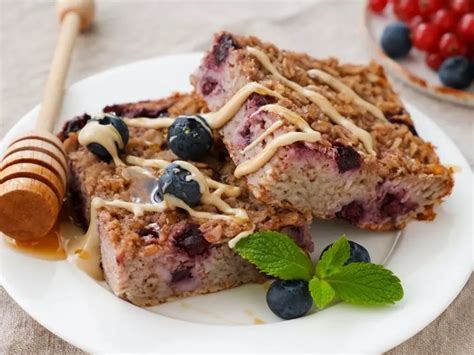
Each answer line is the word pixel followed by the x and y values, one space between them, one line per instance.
pixel 219 118
pixel 326 107
pixel 307 134
pixel 161 122
pixel 343 88
pixel 106 135
pixel 237 215
pixel 268 131
pixel 146 122
pixel 233 242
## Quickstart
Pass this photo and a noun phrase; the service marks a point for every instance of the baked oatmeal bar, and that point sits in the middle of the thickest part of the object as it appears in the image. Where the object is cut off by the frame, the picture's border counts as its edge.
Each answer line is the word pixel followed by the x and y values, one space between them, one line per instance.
pixel 365 161
pixel 159 256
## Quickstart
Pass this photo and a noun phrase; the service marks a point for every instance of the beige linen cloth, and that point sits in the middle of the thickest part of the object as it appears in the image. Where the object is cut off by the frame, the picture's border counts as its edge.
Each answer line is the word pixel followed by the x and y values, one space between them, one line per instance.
pixel 126 31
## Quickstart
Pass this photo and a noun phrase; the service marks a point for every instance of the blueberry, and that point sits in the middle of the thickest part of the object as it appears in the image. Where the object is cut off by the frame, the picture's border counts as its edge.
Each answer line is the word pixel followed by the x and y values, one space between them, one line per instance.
pixel 456 72
pixel 190 137
pixel 347 158
pixel 358 253
pixel 191 240
pixel 396 41
pixel 122 129
pixel 174 181
pixel 289 299
pixel 98 150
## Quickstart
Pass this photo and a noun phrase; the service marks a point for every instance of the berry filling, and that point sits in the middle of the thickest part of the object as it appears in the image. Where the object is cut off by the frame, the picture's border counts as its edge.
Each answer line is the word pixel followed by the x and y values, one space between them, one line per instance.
pixel 347 159
pixel 208 85
pixel 353 212
pixel 131 112
pixel 220 51
pixel 181 273
pixel 149 233
pixel 191 240
pixel 74 125
pixel 393 206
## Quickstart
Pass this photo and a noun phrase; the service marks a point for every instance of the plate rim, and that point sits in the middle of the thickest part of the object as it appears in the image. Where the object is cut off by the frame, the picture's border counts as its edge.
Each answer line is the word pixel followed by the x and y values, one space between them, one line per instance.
pixel 395 340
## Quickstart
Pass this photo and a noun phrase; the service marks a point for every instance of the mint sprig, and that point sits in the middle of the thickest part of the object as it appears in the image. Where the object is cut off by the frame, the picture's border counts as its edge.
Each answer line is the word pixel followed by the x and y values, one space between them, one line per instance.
pixel 334 258
pixel 366 283
pixel 278 255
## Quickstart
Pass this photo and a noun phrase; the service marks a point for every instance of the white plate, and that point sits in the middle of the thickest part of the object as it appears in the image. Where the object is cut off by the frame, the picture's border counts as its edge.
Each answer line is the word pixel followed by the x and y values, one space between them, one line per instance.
pixel 412 69
pixel 432 259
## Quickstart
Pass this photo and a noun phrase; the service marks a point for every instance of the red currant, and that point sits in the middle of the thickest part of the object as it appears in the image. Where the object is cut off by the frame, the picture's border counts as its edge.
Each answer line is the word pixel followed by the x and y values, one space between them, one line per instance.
pixel 405 10
pixel 462 6
pixel 429 7
pixel 445 19
pixel 434 60
pixel 426 37
pixel 414 22
pixel 377 5
pixel 450 45
pixel 466 28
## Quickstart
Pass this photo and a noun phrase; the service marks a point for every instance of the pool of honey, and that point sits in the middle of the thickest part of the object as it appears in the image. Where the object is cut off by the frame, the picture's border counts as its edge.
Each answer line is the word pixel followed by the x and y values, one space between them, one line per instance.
pixel 53 245
pixel 49 247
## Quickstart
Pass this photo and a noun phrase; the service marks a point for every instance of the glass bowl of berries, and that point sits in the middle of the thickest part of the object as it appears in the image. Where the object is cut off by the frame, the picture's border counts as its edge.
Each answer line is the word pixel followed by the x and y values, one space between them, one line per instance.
pixel 427 43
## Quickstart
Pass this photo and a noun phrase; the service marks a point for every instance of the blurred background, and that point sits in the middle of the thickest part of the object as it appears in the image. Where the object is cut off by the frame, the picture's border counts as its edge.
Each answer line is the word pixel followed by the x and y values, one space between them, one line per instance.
pixel 127 31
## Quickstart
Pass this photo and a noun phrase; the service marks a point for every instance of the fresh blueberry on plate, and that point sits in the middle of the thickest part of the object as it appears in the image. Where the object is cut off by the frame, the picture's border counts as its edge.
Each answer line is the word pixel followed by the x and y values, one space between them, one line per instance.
pixel 396 42
pixel 119 125
pixel 456 72
pixel 190 137
pixel 358 253
pixel 174 181
pixel 289 299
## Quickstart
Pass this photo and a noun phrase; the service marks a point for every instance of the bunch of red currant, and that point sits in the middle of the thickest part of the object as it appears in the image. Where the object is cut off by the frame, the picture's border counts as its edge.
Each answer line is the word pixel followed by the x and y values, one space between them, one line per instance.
pixel 442 29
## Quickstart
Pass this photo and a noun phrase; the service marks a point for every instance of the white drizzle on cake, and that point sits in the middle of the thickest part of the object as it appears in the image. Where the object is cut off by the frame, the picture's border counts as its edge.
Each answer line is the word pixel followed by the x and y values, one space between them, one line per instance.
pixel 343 88
pixel 219 118
pixel 307 134
pixel 107 135
pixel 260 138
pixel 323 103
pixel 87 249
pixel 146 122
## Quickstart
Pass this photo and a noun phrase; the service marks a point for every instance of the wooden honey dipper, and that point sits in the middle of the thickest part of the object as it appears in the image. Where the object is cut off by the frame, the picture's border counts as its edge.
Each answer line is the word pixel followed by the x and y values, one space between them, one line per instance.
pixel 33 173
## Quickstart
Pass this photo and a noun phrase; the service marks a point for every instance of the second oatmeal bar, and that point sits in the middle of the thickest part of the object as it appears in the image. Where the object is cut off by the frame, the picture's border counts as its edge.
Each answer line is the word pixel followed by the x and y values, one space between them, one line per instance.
pixel 380 187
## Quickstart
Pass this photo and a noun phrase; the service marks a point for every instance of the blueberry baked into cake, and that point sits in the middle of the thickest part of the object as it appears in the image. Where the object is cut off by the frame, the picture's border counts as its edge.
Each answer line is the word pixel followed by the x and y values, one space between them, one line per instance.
pixel 319 135
pixel 164 225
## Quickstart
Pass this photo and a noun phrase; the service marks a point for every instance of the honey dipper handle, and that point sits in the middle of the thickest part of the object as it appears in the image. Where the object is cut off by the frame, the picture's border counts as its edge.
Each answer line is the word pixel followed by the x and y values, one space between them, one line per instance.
pixel 74 15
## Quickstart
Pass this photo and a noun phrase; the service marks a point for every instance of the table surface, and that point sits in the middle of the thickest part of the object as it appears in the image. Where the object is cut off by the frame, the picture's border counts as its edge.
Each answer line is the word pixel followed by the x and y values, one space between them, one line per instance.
pixel 127 31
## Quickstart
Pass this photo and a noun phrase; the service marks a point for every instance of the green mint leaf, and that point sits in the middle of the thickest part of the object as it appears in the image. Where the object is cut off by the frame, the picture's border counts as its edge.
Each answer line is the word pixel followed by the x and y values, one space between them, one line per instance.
pixel 321 291
pixel 366 284
pixel 277 255
pixel 334 258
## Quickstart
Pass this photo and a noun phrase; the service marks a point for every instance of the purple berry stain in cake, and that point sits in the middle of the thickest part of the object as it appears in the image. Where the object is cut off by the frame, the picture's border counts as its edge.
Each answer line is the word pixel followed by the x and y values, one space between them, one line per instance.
pixel 221 48
pixel 123 110
pixel 191 240
pixel 208 85
pixel 347 158
pixel 393 205
pixel 181 273
pixel 149 233
pixel 353 212
pixel 74 125
pixel 254 102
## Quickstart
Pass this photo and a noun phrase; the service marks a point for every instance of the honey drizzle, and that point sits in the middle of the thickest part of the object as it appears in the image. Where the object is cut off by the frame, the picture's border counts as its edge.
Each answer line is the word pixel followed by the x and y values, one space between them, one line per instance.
pixel 49 247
